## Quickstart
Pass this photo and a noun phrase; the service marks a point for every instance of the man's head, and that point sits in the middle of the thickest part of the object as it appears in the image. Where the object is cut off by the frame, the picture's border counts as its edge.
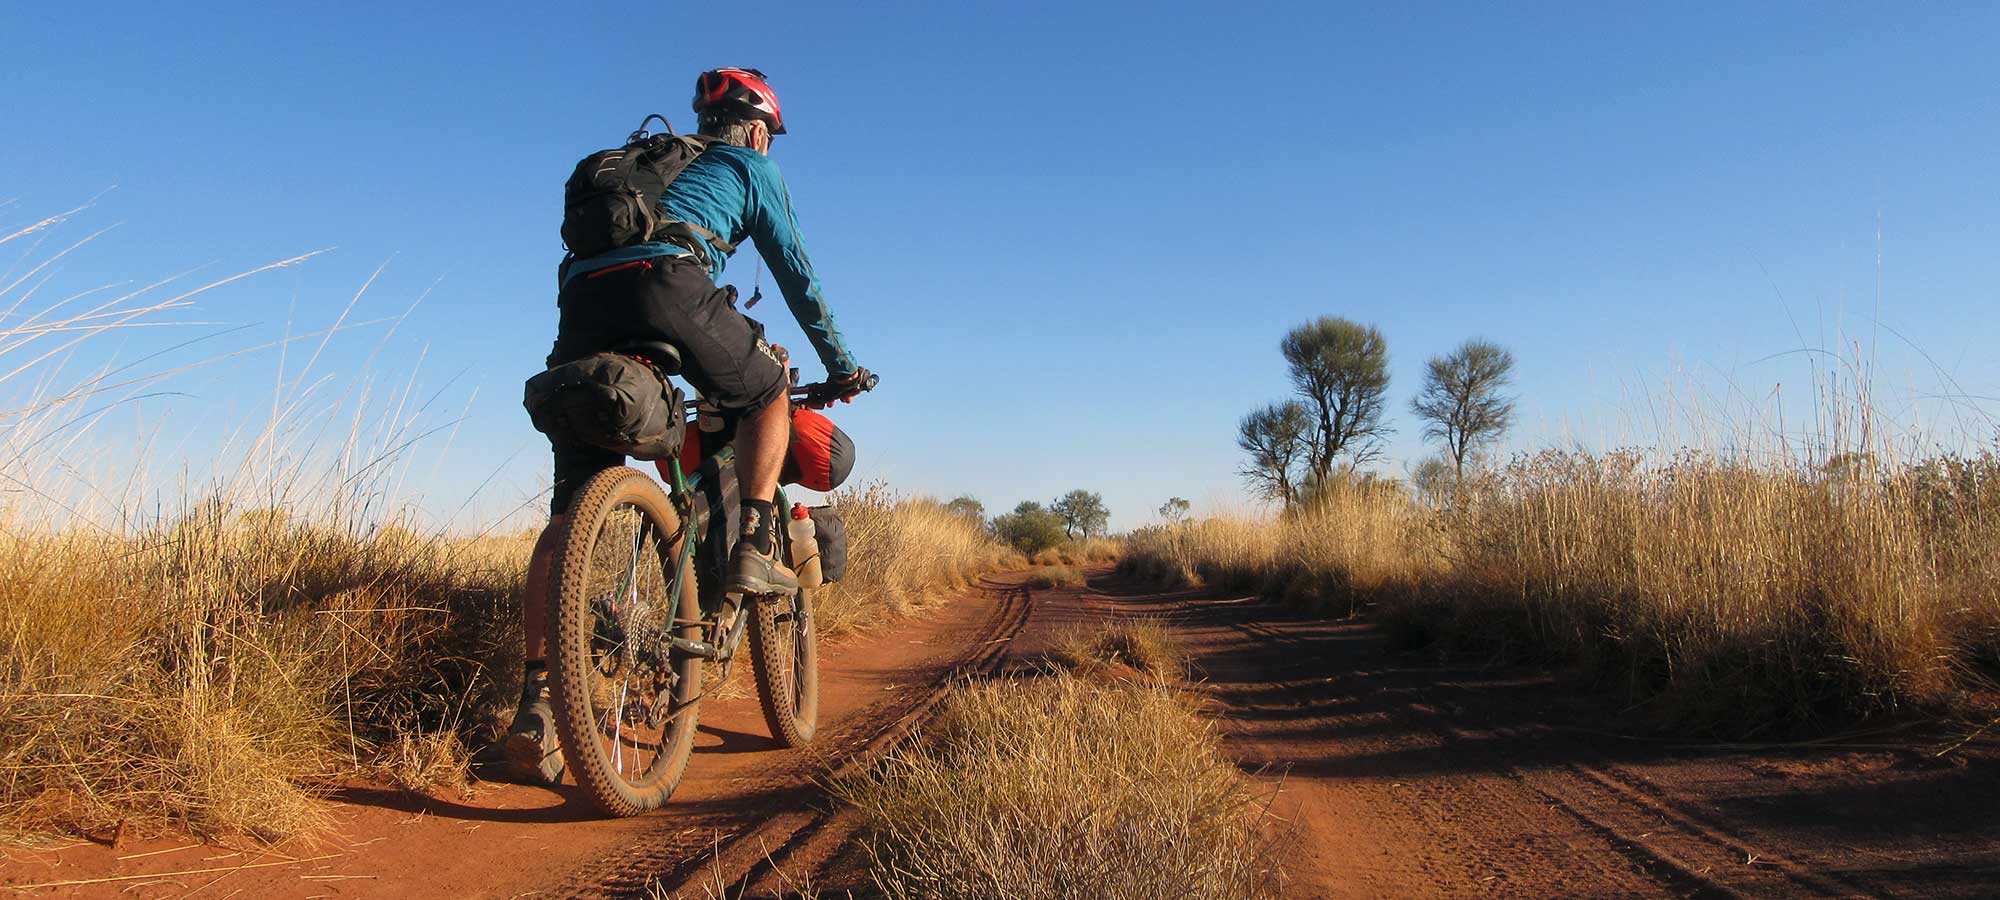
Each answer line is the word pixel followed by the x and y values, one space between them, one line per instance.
pixel 739 107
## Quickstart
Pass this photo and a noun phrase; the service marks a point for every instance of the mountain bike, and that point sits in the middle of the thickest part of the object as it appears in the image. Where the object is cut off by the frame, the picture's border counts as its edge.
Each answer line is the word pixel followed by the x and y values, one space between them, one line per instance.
pixel 631 625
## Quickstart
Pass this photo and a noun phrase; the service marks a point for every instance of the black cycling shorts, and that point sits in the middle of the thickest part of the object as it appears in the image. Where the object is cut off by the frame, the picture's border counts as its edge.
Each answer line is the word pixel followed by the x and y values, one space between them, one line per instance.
pixel 723 352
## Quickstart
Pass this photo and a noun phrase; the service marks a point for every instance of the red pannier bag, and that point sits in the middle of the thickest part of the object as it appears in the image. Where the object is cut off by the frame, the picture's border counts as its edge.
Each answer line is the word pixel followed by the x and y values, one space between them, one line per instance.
pixel 820 456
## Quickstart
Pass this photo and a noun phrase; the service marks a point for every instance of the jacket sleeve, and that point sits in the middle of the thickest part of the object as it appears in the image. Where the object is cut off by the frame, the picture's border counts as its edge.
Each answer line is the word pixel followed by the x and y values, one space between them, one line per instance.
pixel 776 231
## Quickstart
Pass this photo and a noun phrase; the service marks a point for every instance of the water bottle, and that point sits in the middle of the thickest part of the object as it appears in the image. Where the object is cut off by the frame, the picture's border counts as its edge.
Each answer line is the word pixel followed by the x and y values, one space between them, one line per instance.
pixel 805 547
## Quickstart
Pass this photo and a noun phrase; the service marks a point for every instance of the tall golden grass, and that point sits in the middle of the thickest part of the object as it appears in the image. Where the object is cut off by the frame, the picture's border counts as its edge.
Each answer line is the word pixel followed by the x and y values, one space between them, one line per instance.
pixel 213 672
pixel 905 551
pixel 217 672
pixel 1725 595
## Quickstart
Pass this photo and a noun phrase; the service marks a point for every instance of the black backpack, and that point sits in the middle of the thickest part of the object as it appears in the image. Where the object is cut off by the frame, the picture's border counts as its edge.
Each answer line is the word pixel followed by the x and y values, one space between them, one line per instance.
pixel 612 199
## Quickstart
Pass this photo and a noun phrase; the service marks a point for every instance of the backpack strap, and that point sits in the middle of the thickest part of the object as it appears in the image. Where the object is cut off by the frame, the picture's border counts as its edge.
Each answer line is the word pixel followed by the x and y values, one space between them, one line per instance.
pixel 695 238
pixel 713 239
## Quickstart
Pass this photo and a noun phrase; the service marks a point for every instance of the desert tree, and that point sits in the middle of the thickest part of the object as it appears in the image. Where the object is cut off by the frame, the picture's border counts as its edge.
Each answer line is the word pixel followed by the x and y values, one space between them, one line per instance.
pixel 1462 404
pixel 1175 510
pixel 1083 513
pixel 1340 369
pixel 1432 478
pixel 1030 528
pixel 968 506
pixel 1277 438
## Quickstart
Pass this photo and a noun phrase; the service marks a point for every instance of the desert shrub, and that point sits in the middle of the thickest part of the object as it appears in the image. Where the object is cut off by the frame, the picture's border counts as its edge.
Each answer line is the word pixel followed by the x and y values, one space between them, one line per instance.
pixel 1030 528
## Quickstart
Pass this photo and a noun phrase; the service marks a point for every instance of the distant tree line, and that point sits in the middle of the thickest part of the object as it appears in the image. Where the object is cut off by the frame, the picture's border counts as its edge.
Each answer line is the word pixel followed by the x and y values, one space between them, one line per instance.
pixel 1033 527
pixel 1332 423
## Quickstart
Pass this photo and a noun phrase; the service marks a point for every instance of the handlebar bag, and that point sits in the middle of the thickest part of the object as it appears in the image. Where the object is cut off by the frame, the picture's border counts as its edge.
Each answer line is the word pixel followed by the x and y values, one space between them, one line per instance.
pixel 820 457
pixel 607 400
pixel 830 532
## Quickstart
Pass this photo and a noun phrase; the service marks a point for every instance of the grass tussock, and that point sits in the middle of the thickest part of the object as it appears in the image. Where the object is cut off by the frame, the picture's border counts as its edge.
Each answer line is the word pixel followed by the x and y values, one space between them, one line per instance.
pixel 902 552
pixel 1143 646
pixel 1055 577
pixel 1726 596
pixel 1061 787
pixel 1081 552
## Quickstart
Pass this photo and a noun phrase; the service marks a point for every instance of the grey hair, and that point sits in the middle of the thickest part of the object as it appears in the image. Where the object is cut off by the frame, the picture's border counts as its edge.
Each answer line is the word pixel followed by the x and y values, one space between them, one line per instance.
pixel 730 131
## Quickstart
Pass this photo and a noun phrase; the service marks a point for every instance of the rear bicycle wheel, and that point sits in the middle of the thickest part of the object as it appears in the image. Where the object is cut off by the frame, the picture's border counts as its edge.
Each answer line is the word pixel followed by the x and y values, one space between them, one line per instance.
pixel 784 655
pixel 625 702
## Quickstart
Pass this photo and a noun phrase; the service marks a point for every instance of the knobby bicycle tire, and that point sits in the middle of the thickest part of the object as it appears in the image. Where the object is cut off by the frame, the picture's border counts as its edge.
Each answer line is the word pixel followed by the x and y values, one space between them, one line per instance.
pixel 784 655
pixel 578 645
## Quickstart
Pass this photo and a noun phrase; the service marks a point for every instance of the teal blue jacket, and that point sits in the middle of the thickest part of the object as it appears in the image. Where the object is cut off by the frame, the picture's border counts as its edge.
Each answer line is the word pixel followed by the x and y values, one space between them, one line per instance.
pixel 737 193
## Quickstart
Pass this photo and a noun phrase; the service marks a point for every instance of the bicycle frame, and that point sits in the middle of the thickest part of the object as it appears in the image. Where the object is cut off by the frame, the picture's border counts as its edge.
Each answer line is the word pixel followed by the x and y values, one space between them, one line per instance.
pixel 684 491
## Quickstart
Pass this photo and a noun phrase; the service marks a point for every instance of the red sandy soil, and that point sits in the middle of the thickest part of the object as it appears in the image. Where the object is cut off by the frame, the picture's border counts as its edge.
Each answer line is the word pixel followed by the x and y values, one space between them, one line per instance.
pixel 1395 776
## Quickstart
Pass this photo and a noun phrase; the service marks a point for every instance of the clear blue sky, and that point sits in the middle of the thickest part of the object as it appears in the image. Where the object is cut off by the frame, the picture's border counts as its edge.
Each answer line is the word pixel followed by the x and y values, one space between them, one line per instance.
pixel 1068 236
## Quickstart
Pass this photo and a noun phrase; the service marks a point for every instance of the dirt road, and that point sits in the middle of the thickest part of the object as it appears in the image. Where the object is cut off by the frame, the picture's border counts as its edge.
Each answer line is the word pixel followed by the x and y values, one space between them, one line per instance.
pixel 1404 778
pixel 1395 777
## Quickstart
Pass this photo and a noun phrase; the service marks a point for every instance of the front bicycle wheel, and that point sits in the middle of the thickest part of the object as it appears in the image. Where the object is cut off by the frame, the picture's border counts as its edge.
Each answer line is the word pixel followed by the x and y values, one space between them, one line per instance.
pixel 785 657
pixel 625 701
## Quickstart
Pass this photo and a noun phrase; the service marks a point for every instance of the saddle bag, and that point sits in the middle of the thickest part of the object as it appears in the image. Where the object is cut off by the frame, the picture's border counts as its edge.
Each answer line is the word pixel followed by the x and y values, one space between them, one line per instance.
pixel 610 401
pixel 830 531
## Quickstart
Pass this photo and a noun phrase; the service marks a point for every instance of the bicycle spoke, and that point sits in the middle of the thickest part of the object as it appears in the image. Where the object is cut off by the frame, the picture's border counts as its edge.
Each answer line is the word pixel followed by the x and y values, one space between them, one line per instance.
pixel 617 727
pixel 626 701
pixel 634 615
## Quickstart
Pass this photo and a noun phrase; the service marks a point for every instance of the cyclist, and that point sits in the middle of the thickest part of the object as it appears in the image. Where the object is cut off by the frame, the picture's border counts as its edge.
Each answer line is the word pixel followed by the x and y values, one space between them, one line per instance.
pixel 665 290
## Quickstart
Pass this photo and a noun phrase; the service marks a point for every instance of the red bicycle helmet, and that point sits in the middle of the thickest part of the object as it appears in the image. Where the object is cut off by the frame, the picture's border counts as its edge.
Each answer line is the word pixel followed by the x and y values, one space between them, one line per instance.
pixel 739 93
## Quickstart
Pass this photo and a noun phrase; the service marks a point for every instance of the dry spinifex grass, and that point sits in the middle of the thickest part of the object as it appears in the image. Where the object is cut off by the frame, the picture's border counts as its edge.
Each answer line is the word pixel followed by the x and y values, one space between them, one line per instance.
pixel 1141 645
pixel 1061 787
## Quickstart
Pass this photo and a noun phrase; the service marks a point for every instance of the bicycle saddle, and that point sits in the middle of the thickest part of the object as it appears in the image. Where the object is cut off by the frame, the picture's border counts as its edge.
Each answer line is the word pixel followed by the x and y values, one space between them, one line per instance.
pixel 661 354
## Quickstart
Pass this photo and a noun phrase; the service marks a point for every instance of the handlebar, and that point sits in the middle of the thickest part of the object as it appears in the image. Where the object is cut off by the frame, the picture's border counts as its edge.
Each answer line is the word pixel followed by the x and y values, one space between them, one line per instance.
pixel 825 391
pixel 820 393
